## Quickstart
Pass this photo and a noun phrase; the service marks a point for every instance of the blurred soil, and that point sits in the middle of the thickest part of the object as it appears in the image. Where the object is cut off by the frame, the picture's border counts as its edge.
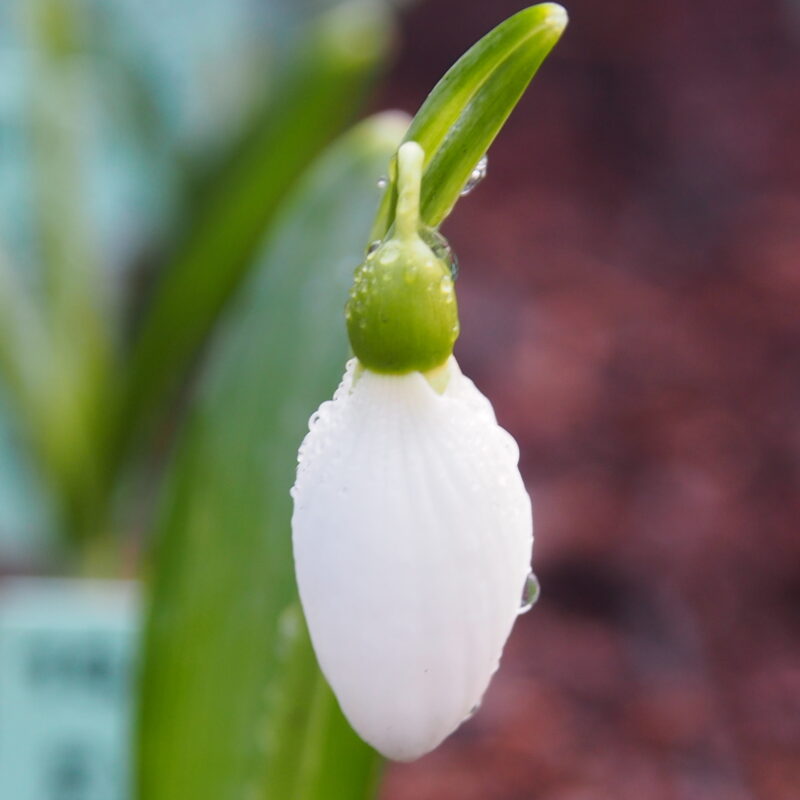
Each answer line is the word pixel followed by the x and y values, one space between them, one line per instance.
pixel 630 300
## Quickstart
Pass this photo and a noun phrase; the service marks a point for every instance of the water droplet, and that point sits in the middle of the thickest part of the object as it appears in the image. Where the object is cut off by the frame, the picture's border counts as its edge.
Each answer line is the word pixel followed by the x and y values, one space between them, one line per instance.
pixel 373 246
pixel 389 257
pixel 447 286
pixel 441 249
pixel 530 593
pixel 476 176
pixel 383 182
pixel 453 265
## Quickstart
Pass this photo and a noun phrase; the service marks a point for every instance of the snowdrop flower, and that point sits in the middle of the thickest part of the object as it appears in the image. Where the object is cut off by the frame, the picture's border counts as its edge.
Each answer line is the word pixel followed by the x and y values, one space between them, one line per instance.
pixel 412 528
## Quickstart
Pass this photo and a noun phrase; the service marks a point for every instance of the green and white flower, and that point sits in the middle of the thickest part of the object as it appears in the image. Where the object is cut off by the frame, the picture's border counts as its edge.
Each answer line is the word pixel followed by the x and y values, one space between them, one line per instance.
pixel 412 527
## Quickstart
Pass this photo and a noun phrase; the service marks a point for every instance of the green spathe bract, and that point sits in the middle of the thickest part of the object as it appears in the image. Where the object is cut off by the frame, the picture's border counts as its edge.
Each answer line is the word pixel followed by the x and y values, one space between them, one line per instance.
pixel 469 105
pixel 402 314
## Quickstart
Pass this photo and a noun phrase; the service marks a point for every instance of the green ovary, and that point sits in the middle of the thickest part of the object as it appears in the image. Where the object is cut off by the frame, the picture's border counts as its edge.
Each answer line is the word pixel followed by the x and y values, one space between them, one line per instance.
pixel 402 313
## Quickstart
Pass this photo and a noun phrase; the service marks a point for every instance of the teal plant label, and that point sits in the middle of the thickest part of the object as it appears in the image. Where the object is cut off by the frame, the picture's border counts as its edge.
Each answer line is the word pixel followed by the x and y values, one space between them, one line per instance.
pixel 66 663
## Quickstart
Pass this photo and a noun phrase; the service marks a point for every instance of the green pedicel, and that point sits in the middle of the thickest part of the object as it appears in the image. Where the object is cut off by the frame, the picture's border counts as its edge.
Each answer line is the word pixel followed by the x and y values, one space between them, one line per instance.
pixel 402 314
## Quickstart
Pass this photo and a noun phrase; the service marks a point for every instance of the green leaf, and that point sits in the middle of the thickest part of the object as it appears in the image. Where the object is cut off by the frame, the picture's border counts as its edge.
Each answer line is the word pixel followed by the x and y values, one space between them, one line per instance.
pixel 210 726
pixel 59 329
pixel 54 379
pixel 468 107
pixel 309 741
pixel 325 87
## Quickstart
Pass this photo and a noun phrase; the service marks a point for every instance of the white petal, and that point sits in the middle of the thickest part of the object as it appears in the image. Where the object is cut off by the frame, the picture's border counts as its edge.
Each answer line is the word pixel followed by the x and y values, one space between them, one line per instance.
pixel 412 541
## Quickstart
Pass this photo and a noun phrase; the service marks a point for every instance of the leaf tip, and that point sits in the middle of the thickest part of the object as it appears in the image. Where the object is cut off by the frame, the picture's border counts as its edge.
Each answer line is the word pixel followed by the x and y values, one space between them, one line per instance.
pixel 556 17
pixel 356 31
pixel 387 128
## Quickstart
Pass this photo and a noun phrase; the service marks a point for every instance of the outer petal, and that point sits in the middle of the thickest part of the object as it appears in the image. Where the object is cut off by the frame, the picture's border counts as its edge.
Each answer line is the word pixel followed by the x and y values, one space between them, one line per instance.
pixel 412 540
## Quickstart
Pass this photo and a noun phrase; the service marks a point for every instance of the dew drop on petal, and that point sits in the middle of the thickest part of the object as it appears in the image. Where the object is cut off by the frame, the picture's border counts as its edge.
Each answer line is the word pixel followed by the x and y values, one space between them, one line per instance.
pixel 476 176
pixel 530 593
pixel 383 182
pixel 373 246
pixel 472 712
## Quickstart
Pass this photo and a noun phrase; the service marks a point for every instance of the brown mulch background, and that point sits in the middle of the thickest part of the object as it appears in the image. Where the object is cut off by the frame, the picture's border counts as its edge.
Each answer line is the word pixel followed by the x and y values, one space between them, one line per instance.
pixel 630 300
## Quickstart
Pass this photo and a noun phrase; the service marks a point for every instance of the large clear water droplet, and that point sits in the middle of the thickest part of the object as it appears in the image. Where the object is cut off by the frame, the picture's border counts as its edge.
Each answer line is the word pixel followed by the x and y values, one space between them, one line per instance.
pixel 476 176
pixel 441 249
pixel 530 593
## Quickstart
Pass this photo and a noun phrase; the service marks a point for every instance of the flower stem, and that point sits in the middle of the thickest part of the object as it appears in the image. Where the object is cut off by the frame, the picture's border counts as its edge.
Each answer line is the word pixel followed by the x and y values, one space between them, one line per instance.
pixel 410 158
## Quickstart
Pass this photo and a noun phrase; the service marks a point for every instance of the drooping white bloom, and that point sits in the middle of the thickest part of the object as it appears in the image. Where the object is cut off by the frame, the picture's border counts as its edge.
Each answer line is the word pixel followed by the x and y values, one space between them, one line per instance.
pixel 412 539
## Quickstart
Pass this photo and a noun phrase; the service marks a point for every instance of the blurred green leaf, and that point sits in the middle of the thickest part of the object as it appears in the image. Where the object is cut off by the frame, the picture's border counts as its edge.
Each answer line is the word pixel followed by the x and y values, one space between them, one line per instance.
pixel 309 740
pixel 467 108
pixel 17 325
pixel 59 329
pixel 223 570
pixel 27 515
pixel 334 67
pixel 52 382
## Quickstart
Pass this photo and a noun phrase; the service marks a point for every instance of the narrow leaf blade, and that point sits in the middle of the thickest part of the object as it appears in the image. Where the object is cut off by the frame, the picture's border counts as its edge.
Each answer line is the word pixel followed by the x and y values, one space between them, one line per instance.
pixel 467 108
pixel 223 573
